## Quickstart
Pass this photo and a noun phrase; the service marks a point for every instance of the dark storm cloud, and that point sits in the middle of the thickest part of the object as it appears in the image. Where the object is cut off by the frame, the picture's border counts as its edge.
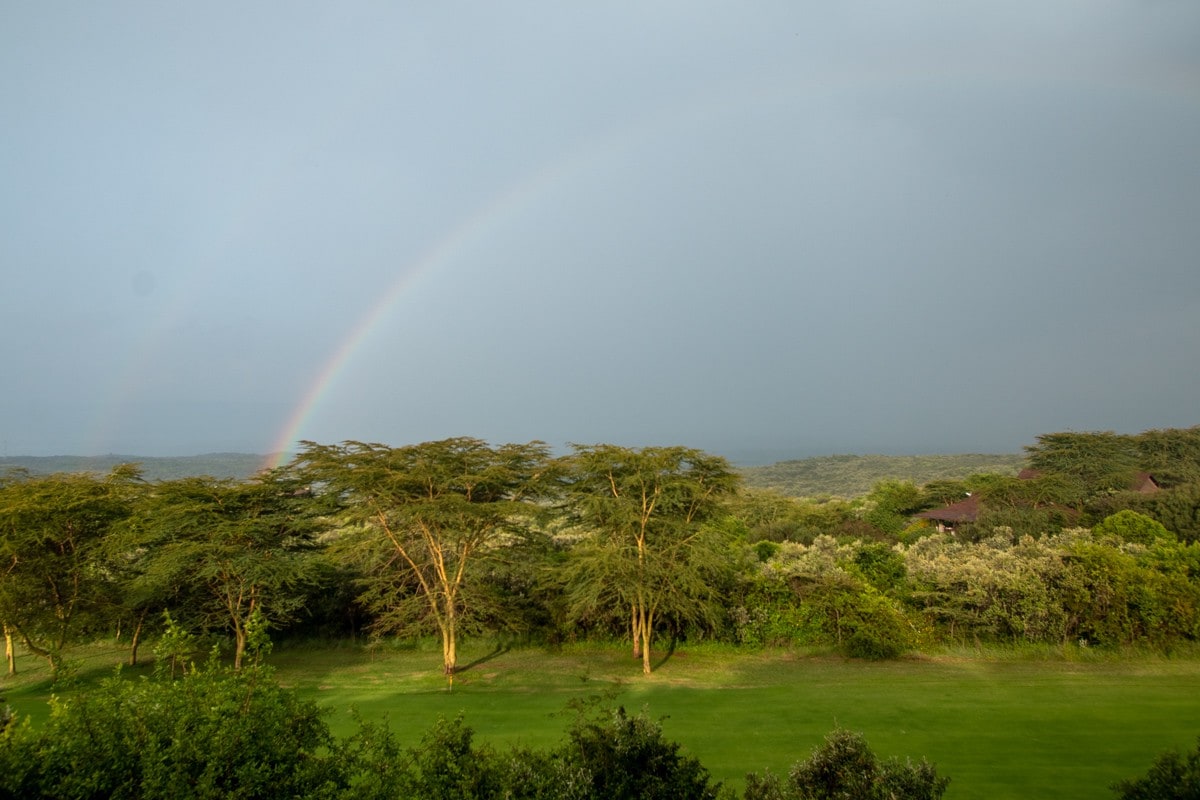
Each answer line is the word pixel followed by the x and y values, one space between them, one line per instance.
pixel 769 229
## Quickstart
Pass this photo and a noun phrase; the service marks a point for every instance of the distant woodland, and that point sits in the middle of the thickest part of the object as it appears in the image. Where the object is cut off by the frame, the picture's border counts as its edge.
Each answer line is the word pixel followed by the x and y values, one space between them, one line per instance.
pixel 837 476
pixel 852 476
pixel 215 465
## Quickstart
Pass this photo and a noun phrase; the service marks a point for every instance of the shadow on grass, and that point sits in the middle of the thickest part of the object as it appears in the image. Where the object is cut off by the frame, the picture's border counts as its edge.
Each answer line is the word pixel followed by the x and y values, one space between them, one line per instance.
pixel 499 650
pixel 667 655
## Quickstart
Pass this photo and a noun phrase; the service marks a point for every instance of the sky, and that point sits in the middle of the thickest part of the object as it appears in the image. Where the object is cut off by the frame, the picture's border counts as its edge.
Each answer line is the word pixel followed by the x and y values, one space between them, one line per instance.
pixel 769 230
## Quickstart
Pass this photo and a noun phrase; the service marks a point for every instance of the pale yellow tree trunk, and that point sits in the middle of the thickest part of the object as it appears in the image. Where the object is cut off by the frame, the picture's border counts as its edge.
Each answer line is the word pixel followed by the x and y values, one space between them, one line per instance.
pixel 10 653
pixel 449 647
pixel 137 635
pixel 635 630
pixel 646 626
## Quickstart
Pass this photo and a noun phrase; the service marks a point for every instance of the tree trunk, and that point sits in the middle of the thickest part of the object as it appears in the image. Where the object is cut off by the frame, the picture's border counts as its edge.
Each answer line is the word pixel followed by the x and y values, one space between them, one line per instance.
pixel 10 652
pixel 449 646
pixel 646 622
pixel 239 636
pixel 635 631
pixel 137 636
pixel 449 653
pixel 52 658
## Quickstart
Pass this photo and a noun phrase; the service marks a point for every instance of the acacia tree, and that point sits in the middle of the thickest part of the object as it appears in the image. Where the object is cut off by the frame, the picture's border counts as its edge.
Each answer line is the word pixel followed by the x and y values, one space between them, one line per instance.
pixel 420 520
pixel 649 552
pixel 1098 460
pixel 222 551
pixel 53 582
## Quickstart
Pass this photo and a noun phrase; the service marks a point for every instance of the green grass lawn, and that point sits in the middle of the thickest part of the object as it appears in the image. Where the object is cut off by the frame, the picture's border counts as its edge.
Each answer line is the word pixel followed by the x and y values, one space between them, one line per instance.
pixel 1000 724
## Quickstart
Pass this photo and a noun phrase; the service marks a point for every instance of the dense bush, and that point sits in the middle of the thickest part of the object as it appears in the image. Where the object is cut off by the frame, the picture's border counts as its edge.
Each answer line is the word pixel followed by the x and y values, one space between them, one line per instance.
pixel 625 756
pixel 1173 776
pixel 212 734
pixel 838 597
pixel 845 767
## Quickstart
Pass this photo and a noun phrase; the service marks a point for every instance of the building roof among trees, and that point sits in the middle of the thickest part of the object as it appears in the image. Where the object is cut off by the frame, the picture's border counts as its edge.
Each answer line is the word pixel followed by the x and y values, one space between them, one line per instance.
pixel 1144 482
pixel 966 510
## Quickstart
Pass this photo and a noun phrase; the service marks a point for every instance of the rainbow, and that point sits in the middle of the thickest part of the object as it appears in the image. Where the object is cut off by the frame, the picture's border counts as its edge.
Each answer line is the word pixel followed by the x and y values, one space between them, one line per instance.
pixel 694 112
pixel 506 203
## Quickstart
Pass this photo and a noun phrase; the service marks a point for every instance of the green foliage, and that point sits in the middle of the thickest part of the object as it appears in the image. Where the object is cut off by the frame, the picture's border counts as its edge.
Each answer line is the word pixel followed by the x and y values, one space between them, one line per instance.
pixel 845 768
pixel 627 758
pixel 650 552
pixel 838 602
pixel 1100 460
pixel 219 733
pixel 212 734
pixel 1130 526
pixel 1019 521
pixel 878 631
pixel 607 754
pixel 1178 509
pixel 220 551
pixel 1106 461
pixel 765 550
pixel 56 584
pixel 1067 587
pixel 767 515
pixel 889 505
pixel 175 647
pixel 862 622
pixel 420 521
pixel 447 766
pixel 1173 776
pixel 1171 455
pixel 772 615
pixel 881 566
pixel 994 589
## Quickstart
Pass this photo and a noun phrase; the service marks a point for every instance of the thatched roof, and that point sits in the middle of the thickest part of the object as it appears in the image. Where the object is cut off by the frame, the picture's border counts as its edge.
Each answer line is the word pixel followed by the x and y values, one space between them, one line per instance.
pixel 963 511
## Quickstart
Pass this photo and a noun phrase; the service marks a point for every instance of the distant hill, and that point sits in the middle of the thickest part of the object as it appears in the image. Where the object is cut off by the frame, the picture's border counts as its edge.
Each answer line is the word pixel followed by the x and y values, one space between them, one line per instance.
pixel 217 465
pixel 853 476
pixel 842 476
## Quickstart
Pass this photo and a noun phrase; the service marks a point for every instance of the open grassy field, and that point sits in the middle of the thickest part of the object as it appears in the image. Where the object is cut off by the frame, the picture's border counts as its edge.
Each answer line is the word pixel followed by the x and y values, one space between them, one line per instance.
pixel 1000 724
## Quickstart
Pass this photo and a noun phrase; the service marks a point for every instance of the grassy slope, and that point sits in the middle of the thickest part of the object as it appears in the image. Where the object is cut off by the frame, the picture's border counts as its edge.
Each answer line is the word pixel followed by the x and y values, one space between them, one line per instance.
pixel 1000 726
pixel 853 476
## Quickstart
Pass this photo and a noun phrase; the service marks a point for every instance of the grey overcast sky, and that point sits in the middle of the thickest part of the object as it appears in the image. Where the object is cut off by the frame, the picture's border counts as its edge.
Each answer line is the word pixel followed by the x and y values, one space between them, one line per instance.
pixel 766 229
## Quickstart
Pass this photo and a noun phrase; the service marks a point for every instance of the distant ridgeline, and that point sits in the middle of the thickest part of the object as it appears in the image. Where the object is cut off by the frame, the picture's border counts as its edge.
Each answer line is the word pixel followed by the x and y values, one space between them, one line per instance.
pixel 1171 455
pixel 854 476
pixel 216 465
pixel 842 476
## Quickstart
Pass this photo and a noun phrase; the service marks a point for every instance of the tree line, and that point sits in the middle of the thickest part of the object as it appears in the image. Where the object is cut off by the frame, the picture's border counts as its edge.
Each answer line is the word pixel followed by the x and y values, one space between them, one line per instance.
pixel 459 537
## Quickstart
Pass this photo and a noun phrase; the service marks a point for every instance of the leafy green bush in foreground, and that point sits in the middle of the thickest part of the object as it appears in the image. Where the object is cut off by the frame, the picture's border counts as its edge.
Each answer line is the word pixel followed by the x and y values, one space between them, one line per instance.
pixel 1173 776
pixel 845 767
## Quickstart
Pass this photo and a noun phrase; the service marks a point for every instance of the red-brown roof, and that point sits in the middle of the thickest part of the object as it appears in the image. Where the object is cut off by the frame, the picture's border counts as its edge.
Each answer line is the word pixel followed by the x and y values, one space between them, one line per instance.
pixel 1144 482
pixel 963 511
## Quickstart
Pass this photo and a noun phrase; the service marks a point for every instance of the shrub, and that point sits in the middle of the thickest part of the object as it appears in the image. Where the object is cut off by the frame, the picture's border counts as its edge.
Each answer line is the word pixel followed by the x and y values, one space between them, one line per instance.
pixel 845 767
pixel 212 734
pixel 1130 526
pixel 1173 776
pixel 627 758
